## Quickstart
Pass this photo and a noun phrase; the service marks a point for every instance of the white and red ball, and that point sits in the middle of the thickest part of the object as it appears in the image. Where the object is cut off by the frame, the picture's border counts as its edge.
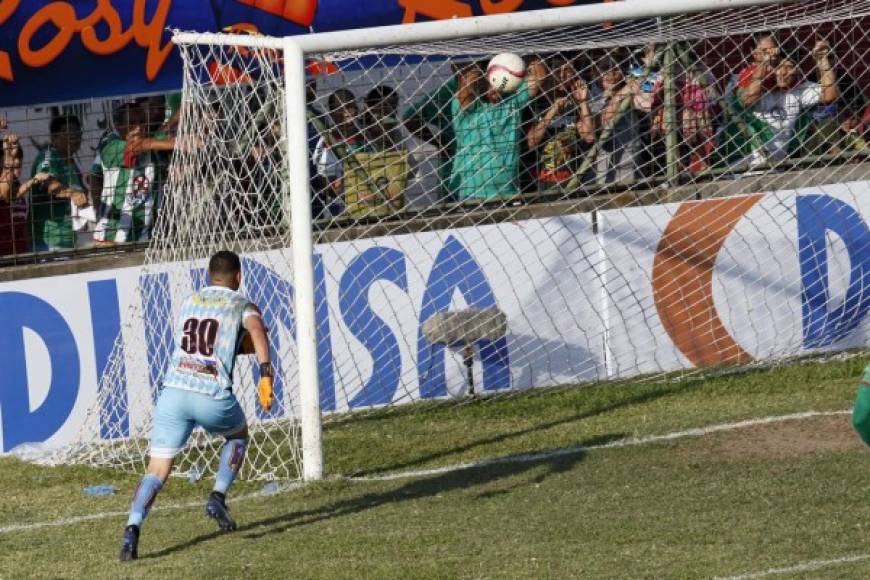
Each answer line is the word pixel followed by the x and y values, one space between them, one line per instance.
pixel 506 72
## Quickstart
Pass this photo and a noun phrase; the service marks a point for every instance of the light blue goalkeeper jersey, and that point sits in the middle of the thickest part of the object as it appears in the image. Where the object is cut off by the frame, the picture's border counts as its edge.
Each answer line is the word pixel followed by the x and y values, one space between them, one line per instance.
pixel 207 340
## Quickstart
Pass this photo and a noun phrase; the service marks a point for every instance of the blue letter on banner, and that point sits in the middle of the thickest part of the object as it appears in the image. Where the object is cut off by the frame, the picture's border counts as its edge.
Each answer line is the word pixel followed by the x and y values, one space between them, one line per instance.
pixel 369 267
pixel 199 278
pixel 274 296
pixel 455 269
pixel 19 311
pixel 157 319
pixel 816 215
pixel 106 325
pixel 324 340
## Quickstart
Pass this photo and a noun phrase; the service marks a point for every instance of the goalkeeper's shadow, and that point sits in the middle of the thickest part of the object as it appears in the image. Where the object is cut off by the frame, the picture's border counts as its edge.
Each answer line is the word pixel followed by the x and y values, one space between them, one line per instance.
pixel 480 474
pixel 537 467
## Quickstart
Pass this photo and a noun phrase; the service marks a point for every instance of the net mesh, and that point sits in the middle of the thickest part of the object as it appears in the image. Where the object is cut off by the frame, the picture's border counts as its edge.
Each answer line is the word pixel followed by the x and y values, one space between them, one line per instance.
pixel 605 220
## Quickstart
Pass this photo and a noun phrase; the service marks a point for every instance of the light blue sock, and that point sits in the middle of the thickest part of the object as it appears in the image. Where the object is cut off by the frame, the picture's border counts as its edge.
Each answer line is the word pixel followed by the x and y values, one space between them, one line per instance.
pixel 143 499
pixel 232 456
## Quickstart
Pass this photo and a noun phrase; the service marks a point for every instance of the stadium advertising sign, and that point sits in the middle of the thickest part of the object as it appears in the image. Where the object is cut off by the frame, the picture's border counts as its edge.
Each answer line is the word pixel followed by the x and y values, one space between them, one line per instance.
pixel 768 275
pixel 103 48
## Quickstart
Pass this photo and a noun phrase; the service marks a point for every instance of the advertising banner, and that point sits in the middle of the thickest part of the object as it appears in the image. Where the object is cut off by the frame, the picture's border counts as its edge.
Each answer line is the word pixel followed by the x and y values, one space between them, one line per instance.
pixel 640 290
pixel 59 51
pixel 737 279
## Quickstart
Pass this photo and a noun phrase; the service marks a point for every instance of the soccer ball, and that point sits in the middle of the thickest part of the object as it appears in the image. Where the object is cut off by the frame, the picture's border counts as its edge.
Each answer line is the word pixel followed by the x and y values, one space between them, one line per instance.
pixel 506 72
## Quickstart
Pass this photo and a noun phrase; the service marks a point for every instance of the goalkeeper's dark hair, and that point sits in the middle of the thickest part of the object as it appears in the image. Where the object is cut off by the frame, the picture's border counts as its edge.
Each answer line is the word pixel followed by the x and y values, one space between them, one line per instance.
pixel 224 264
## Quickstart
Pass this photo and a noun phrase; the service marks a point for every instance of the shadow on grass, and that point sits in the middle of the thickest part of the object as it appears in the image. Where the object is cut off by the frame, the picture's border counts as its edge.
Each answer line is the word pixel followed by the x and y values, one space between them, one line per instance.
pixel 559 461
pixel 478 475
pixel 422 460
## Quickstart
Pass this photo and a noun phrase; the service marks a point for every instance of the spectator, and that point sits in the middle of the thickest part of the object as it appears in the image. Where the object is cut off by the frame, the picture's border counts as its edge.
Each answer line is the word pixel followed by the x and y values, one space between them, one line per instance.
pixel 852 137
pixel 253 143
pixel 559 125
pixel 153 114
pixel 732 136
pixel 693 98
pixel 381 128
pixel 56 186
pixel 822 127
pixel 155 134
pixel 487 126
pixel 765 55
pixel 13 203
pixel 646 79
pixel 158 138
pixel 697 96
pixel 333 148
pixel 645 73
pixel 317 182
pixel 430 119
pixel 775 117
pixel 390 167
pixel 839 127
pixel 128 182
pixel 11 169
pixel 172 115
pixel 619 107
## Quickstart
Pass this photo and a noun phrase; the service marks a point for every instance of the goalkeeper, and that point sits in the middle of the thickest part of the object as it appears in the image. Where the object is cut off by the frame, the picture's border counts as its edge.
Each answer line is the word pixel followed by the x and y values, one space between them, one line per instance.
pixel 197 390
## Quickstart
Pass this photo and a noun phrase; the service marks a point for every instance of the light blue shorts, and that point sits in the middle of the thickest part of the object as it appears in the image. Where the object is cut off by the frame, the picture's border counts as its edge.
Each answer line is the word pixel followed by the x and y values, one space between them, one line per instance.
pixel 178 411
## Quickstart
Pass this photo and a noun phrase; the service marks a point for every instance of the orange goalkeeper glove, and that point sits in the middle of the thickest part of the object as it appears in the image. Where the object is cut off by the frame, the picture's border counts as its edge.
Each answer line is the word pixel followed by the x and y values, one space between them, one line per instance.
pixel 264 388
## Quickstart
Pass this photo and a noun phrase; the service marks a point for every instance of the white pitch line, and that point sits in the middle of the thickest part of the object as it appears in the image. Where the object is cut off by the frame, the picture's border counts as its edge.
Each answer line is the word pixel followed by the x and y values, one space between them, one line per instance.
pixel 524 458
pixel 626 442
pixel 62 522
pixel 104 515
pixel 803 567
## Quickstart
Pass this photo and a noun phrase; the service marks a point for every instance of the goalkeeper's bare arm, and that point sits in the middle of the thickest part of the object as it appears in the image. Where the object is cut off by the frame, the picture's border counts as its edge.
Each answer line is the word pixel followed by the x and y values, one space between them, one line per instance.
pixel 260 341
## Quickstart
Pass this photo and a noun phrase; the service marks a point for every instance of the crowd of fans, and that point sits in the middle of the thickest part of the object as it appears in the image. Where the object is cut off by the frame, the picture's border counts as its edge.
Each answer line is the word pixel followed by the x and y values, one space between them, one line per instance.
pixel 60 207
pixel 579 122
pixel 575 123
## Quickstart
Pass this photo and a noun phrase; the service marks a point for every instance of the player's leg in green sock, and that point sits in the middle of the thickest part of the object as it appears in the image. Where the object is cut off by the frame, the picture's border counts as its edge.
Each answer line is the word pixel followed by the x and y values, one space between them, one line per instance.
pixel 861 411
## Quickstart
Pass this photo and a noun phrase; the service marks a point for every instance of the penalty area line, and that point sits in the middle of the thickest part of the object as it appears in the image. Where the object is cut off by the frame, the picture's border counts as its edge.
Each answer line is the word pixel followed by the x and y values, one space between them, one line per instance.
pixel 798 568
pixel 415 474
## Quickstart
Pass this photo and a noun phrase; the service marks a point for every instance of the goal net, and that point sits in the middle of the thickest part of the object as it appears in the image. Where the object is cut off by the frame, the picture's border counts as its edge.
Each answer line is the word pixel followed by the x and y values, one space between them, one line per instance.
pixel 658 196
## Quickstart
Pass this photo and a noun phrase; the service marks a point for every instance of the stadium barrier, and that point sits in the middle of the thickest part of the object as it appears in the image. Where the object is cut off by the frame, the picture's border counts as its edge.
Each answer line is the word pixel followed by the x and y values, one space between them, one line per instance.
pixel 778 274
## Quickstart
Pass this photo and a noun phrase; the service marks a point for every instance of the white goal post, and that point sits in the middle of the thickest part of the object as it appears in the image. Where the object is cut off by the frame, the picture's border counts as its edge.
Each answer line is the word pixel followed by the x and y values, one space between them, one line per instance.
pixel 646 204
pixel 295 50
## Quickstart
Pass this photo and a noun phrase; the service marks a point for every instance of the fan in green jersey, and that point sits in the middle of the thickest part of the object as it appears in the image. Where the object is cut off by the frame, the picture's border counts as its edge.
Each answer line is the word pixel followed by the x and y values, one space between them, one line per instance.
pixel 55 179
pixel 129 183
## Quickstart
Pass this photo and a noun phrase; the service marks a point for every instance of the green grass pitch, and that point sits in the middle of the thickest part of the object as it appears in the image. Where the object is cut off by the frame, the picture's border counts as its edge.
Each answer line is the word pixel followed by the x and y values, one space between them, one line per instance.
pixel 745 500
